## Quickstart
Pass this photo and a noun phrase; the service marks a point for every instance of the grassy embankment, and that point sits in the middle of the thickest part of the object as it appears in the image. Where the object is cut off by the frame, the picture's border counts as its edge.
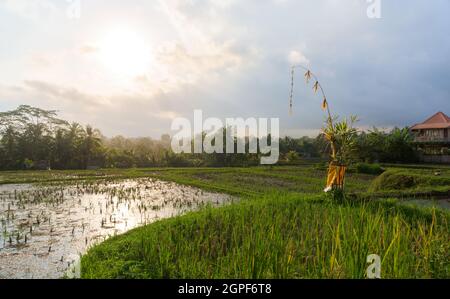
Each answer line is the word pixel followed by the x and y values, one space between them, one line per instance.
pixel 282 228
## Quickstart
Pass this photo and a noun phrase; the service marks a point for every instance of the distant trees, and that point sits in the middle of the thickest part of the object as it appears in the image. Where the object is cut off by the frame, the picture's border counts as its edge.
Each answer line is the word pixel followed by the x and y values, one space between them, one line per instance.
pixel 305 147
pixel 33 138
pixel 292 156
pixel 27 136
pixel 379 146
pixel 136 152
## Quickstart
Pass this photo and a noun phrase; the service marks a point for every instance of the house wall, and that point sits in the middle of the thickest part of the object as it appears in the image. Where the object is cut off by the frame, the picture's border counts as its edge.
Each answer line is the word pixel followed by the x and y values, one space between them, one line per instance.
pixel 438 149
pixel 442 159
pixel 429 135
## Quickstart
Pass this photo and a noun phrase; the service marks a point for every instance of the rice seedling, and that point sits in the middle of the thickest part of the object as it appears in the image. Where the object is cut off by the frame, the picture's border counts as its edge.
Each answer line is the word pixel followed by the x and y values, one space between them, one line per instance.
pixel 294 234
pixel 279 236
pixel 55 215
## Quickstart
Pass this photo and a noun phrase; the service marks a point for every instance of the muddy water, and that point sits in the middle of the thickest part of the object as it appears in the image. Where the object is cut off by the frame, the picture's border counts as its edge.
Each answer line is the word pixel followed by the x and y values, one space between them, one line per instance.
pixel 45 229
pixel 438 203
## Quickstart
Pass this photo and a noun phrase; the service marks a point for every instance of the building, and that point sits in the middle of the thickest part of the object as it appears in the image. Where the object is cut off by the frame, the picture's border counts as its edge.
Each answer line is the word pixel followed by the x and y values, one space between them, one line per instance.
pixel 432 140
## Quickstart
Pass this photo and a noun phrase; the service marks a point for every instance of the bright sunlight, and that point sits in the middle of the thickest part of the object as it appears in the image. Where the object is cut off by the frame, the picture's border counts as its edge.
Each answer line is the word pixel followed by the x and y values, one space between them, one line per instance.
pixel 125 53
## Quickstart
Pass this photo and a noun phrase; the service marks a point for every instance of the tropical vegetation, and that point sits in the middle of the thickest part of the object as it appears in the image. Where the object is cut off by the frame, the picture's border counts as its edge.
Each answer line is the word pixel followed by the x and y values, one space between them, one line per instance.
pixel 34 138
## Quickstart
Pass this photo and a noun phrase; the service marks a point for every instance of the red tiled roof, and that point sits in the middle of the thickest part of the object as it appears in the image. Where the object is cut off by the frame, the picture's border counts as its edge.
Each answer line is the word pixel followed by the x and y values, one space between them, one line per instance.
pixel 437 121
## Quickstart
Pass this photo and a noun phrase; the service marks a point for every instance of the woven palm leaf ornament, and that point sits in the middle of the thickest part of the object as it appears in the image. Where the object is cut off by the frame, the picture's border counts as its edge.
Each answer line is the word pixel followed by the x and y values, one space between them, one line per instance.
pixel 336 171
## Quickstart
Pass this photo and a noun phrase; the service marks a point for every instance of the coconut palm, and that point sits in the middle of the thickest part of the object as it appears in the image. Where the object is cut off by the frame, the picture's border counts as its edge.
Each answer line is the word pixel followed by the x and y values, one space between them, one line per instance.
pixel 91 144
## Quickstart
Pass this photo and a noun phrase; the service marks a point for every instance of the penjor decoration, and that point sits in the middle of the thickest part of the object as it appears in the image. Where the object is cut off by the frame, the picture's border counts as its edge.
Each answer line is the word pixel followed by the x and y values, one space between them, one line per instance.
pixel 336 169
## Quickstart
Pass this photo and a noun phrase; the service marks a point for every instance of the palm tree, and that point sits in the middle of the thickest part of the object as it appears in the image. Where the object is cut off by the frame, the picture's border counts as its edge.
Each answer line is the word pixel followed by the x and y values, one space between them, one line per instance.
pixel 9 142
pixel 91 144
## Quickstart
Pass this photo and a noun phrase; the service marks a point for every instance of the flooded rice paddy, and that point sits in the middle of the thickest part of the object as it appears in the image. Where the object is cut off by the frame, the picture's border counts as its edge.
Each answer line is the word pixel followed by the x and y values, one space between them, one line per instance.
pixel 44 229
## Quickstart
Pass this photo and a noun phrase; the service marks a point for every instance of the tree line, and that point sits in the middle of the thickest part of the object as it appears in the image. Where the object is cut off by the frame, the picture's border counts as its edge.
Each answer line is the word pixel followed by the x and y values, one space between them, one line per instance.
pixel 34 138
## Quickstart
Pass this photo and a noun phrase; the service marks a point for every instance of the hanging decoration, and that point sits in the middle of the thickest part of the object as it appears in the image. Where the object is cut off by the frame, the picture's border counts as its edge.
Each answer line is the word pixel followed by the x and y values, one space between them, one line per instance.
pixel 336 171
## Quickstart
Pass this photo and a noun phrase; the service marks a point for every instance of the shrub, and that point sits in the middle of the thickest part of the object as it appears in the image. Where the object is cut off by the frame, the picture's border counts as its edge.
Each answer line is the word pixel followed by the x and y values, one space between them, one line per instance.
pixel 401 179
pixel 292 156
pixel 367 168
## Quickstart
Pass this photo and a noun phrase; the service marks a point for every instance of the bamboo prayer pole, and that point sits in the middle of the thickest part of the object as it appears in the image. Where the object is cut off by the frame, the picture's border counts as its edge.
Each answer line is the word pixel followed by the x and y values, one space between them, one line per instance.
pixel 336 173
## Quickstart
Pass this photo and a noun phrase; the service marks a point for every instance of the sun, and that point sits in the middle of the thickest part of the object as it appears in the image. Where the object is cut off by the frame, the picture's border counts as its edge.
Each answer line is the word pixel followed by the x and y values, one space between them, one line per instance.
pixel 125 53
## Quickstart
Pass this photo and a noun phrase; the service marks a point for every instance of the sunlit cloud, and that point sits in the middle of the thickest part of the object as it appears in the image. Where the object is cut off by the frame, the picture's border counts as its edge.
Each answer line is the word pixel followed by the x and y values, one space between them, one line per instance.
pixel 130 71
pixel 296 57
pixel 30 9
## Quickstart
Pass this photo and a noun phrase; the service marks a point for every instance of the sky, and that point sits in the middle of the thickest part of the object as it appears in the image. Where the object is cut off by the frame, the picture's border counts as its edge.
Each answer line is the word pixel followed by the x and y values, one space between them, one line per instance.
pixel 130 67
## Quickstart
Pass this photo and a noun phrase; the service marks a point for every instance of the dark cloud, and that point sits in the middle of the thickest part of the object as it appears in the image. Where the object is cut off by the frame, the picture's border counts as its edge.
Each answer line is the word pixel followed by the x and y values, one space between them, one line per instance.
pixel 393 71
pixel 66 94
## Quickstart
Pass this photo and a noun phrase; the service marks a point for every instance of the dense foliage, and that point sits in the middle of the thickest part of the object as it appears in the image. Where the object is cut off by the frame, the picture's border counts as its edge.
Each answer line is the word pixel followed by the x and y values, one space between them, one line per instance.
pixel 367 168
pixel 33 138
pixel 401 179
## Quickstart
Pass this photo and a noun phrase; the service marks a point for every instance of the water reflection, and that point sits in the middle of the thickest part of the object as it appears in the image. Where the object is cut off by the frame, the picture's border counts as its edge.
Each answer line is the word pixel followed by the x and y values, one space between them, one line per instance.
pixel 44 229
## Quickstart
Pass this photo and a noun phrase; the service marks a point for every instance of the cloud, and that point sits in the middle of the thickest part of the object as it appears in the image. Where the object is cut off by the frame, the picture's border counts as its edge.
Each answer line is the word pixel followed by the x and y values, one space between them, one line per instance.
pixel 31 9
pixel 126 114
pixel 176 66
pixel 188 18
pixel 88 49
pixel 296 57
pixel 198 54
pixel 232 58
pixel 65 94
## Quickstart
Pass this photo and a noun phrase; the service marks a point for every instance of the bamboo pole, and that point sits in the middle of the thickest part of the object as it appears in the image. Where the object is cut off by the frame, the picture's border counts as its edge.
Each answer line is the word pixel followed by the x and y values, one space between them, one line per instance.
pixel 333 165
pixel 325 99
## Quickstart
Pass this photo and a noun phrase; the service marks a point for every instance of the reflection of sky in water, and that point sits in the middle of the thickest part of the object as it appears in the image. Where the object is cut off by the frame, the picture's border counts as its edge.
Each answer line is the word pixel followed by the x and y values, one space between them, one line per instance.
pixel 43 230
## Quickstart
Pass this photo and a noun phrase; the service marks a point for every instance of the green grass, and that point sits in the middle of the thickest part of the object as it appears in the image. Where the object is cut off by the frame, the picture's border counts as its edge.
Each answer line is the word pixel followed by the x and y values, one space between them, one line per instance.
pixel 413 180
pixel 280 236
pixel 283 227
pixel 261 180
pixel 238 181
